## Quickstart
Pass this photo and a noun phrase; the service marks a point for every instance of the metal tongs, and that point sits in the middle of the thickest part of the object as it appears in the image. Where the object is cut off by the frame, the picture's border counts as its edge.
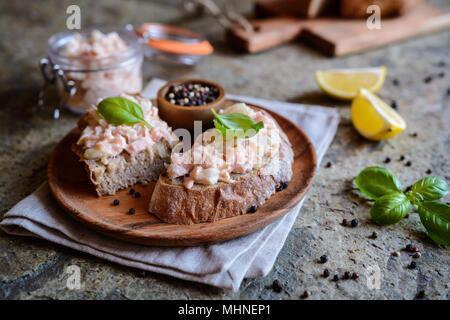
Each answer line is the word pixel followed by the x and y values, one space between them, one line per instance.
pixel 226 18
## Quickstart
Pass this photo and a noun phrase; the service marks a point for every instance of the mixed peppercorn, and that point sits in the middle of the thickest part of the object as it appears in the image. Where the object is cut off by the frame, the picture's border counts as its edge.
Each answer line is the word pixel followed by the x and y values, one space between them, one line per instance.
pixel 326 273
pixel 353 223
pixel 131 192
pixel 192 94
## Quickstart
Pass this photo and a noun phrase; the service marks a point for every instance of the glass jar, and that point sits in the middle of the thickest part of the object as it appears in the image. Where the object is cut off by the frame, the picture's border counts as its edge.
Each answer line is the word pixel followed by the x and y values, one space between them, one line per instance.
pixel 94 78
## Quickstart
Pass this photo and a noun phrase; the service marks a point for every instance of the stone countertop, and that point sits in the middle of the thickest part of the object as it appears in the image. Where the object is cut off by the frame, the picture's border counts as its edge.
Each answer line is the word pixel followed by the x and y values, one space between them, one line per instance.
pixel 36 269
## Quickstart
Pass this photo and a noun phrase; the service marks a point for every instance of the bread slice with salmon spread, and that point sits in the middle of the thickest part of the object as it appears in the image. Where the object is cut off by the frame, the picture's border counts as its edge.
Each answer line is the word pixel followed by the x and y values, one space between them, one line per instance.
pixel 216 179
pixel 118 156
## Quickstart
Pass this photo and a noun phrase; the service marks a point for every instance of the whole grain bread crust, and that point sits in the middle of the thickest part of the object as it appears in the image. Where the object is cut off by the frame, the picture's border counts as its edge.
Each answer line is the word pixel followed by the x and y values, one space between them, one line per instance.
pixel 176 204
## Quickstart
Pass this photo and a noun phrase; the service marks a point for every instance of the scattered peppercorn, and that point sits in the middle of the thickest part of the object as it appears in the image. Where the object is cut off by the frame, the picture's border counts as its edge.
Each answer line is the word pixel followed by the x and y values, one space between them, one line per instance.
pixel 441 64
pixel 132 191
pixel 394 105
pixel 414 134
pixel 304 295
pixel 373 235
pixel 279 188
pixel 428 79
pixel 116 202
pixel 395 82
pixel 346 275
pixel 408 188
pixel 284 185
pixel 192 94
pixel 387 160
pixel 402 157
pixel 422 294
pixel 354 223
pixel 441 75
pixel 417 255
pixel 276 286
pixel 328 165
pixel 344 222
pixel 137 194
pixel 429 171
pixel 326 273
pixel 253 209
pixel 448 91
pixel 131 211
pixel 396 254
pixel 355 275
pixel 323 258
pixel 412 265
pixel 336 277
pixel 408 163
pixel 409 247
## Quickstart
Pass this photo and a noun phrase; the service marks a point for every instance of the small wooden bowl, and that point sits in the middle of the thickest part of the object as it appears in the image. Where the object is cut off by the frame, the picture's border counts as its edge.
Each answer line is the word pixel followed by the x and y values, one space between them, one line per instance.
pixel 183 117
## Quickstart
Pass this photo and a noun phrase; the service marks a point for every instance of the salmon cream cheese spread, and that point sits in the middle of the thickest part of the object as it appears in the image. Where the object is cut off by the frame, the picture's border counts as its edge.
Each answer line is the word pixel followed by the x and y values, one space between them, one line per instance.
pixel 98 45
pixel 213 159
pixel 102 65
pixel 101 140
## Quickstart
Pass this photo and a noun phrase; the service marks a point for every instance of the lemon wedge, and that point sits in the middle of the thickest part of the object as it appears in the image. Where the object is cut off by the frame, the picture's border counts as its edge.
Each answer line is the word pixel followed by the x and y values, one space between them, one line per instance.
pixel 374 119
pixel 346 83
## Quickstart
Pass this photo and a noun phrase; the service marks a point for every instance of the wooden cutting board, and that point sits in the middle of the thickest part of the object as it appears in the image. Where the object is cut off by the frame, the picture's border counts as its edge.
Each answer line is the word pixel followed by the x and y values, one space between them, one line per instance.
pixel 71 188
pixel 334 36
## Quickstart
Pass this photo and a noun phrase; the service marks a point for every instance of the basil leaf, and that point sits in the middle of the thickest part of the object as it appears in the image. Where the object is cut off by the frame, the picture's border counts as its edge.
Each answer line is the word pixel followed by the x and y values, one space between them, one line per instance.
pixel 435 217
pixel 376 182
pixel 118 110
pixel 220 127
pixel 431 188
pixel 390 208
pixel 236 124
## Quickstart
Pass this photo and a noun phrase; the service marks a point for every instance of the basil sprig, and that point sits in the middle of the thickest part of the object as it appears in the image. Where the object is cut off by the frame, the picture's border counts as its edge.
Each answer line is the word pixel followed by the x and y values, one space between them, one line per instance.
pixel 236 125
pixel 118 110
pixel 392 205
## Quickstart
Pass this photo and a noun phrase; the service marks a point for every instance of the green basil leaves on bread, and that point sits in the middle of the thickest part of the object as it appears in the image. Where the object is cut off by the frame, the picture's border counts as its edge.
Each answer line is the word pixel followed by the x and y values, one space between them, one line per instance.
pixel 119 110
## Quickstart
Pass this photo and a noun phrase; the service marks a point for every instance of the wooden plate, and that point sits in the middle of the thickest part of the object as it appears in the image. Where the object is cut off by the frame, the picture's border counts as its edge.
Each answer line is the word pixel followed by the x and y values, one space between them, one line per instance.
pixel 70 186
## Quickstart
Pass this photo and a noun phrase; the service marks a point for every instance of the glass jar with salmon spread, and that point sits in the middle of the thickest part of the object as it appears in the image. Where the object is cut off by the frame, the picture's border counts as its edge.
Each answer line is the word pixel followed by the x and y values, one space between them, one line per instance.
pixel 93 65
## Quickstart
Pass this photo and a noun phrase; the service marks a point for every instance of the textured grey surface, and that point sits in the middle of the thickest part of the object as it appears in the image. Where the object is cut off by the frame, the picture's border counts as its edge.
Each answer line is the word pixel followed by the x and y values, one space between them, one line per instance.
pixel 35 269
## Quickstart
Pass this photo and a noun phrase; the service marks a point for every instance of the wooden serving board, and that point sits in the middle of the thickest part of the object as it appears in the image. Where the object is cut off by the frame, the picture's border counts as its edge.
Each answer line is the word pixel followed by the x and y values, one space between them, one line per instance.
pixel 69 184
pixel 336 36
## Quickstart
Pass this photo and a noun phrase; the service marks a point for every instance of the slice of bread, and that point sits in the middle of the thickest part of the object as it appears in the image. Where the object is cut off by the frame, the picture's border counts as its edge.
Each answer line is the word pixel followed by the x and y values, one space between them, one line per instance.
pixel 112 173
pixel 124 170
pixel 173 203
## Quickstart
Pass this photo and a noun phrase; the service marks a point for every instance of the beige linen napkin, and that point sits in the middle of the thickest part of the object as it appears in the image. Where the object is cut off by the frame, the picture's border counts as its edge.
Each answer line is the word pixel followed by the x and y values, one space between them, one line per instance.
pixel 223 264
